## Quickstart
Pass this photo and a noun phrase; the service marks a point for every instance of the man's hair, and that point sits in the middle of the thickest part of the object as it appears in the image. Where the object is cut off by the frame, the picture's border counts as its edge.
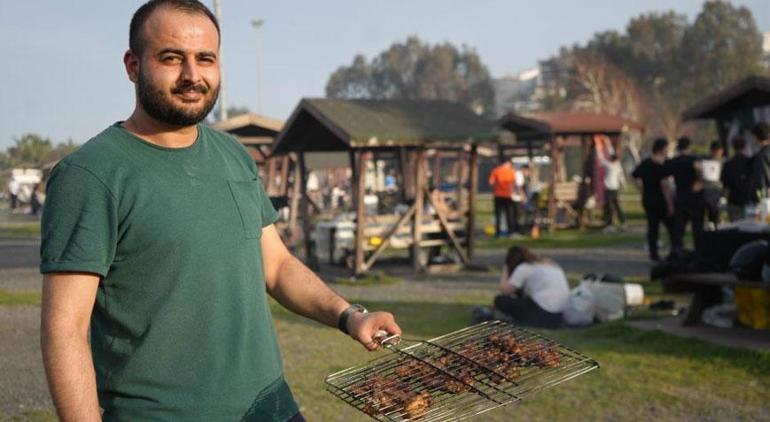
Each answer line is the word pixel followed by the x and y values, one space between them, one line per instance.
pixel 761 131
pixel 715 146
pixel 659 145
pixel 739 143
pixel 136 41
pixel 682 143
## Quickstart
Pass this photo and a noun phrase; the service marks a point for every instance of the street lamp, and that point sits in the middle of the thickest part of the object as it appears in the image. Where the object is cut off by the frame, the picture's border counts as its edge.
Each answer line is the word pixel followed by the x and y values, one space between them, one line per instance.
pixel 256 24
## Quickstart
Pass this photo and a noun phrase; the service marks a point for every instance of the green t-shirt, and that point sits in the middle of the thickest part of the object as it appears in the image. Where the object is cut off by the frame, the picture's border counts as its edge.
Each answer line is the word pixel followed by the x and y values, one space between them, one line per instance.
pixel 181 328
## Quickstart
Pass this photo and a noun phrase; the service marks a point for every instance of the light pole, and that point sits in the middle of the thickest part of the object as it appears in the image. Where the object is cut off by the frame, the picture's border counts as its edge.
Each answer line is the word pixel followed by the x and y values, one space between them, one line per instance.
pixel 256 24
pixel 222 97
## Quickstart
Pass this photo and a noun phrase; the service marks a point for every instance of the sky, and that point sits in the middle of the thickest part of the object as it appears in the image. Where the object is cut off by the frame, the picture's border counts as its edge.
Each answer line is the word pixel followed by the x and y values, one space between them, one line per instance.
pixel 63 78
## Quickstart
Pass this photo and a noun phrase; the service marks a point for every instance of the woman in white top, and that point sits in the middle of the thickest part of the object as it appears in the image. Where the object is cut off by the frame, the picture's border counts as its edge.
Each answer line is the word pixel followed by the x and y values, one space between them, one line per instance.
pixel 534 290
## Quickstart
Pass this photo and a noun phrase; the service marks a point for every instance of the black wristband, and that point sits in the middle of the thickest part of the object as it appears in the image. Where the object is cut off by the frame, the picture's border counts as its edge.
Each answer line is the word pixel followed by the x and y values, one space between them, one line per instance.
pixel 342 322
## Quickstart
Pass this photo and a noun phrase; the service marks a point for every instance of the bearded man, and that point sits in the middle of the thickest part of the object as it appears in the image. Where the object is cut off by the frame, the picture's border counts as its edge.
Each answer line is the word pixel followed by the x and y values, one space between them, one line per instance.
pixel 158 236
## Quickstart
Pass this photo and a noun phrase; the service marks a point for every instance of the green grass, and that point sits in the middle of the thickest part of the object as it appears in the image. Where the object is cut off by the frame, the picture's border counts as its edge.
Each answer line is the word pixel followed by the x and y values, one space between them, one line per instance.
pixel 31 416
pixel 19 231
pixel 565 238
pixel 643 376
pixel 371 278
pixel 19 298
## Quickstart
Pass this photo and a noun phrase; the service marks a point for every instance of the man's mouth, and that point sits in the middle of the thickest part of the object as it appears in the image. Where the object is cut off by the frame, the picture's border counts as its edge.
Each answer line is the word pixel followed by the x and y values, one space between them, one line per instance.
pixel 190 93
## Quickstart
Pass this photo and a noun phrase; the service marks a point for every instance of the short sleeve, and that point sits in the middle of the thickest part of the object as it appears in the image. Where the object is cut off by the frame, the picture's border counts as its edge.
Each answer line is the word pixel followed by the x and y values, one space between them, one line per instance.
pixel 79 223
pixel 519 275
pixel 637 174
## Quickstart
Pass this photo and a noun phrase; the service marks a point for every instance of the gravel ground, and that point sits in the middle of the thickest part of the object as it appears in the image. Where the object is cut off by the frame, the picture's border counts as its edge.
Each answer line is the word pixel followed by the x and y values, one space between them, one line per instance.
pixel 22 384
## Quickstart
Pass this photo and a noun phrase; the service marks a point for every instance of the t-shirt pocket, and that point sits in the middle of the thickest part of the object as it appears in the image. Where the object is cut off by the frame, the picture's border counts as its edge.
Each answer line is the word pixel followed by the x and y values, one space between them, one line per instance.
pixel 247 202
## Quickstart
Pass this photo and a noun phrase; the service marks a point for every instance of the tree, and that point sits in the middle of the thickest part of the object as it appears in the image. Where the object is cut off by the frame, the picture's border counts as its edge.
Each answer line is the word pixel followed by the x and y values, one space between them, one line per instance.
pixel 32 150
pixel 415 70
pixel 722 46
pixel 673 63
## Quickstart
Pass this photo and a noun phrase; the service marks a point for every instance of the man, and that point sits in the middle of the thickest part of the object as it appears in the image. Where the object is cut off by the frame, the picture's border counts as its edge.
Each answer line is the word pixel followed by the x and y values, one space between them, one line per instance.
pixel 503 183
pixel 656 197
pixel 759 178
pixel 159 233
pixel 688 197
pixel 711 170
pixel 735 179
pixel 614 179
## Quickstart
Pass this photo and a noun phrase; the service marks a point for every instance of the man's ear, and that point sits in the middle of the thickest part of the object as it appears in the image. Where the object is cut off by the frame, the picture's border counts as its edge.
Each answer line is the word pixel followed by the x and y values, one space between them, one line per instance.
pixel 131 61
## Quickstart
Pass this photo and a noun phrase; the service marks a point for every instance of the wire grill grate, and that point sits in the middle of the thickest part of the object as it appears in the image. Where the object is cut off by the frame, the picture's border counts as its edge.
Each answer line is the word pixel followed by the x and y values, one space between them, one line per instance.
pixel 458 375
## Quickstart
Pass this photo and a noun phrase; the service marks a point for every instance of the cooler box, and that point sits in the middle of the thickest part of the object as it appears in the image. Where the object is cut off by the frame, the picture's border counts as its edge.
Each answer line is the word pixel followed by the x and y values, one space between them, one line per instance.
pixel 753 306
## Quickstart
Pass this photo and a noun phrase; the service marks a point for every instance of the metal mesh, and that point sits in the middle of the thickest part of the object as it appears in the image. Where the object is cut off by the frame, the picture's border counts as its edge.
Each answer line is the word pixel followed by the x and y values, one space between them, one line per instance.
pixel 458 375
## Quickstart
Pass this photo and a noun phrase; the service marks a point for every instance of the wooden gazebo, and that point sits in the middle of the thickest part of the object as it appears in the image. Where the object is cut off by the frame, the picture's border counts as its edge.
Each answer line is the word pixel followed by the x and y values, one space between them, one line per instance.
pixel 555 131
pixel 735 108
pixel 407 131
pixel 257 133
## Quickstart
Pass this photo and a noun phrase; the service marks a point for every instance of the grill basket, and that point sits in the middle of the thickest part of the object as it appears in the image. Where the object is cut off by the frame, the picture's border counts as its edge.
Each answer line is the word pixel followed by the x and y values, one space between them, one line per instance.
pixel 458 375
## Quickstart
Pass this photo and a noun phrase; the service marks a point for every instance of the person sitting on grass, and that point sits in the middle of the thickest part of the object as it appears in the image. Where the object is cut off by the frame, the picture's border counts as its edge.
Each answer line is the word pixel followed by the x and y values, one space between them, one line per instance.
pixel 534 291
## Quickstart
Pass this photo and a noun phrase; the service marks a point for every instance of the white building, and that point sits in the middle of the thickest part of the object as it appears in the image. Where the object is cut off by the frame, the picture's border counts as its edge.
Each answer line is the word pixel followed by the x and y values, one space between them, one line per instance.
pixel 514 92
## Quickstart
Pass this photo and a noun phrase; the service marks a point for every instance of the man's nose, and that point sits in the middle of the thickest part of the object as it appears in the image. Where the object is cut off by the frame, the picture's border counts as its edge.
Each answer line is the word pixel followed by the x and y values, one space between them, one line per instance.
pixel 190 71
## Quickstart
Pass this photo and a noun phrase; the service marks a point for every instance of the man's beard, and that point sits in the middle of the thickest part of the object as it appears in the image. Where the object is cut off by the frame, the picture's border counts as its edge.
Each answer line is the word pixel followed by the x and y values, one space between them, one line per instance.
pixel 155 103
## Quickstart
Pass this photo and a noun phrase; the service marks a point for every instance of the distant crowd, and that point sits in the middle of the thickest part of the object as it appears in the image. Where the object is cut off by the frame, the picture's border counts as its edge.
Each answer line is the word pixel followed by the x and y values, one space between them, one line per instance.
pixel 687 190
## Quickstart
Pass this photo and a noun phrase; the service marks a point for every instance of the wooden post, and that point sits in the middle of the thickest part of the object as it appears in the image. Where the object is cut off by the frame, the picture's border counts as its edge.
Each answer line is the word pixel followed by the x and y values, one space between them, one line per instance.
pixel 310 258
pixel 419 187
pixel 354 176
pixel 461 165
pixel 360 190
pixel 555 163
pixel 436 169
pixel 285 164
pixel 406 174
pixel 473 167
pixel 271 177
pixel 296 192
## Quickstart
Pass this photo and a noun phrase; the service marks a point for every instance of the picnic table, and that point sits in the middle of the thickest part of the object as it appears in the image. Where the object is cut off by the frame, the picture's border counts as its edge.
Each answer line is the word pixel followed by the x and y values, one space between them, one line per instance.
pixel 707 290
pixel 706 285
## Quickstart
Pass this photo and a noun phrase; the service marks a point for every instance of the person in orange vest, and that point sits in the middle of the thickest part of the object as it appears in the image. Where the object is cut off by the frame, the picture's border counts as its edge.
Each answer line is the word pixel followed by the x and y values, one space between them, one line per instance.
pixel 503 183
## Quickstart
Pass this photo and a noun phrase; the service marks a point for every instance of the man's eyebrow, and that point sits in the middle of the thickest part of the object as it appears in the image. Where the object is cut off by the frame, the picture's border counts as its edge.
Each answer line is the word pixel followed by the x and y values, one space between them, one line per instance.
pixel 172 51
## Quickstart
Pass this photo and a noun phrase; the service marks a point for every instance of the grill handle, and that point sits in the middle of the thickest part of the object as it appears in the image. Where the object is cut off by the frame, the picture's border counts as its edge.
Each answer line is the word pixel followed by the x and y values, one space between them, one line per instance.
pixel 386 339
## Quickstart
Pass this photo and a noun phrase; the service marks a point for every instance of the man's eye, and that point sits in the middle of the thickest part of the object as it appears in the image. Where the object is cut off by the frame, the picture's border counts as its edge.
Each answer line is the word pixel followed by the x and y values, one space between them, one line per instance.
pixel 171 59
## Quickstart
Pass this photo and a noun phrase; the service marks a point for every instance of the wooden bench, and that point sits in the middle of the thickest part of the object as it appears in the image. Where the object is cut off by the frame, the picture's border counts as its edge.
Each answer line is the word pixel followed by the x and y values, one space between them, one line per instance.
pixel 707 290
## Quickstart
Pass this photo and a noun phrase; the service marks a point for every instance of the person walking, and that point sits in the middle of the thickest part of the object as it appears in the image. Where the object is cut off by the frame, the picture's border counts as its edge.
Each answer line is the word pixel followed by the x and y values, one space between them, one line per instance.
pixel 158 239
pixel 654 177
pixel 689 206
pixel 614 179
pixel 759 177
pixel 503 183
pixel 711 171
pixel 735 180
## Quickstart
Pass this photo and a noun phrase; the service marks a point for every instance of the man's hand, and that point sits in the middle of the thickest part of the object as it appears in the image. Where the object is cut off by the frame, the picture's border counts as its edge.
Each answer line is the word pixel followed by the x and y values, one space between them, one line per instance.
pixel 364 327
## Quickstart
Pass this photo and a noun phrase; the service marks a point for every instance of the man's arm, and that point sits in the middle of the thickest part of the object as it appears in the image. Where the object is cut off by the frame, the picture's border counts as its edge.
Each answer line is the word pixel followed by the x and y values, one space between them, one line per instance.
pixel 68 299
pixel 298 289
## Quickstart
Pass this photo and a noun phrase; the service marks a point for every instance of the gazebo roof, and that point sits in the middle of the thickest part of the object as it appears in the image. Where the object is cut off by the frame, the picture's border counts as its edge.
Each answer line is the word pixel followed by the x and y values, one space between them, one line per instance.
pixel 334 125
pixel 753 91
pixel 546 124
pixel 251 129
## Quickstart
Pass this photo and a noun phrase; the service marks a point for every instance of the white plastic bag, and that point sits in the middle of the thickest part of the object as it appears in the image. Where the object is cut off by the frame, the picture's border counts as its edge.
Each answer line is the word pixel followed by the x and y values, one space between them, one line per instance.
pixel 581 308
pixel 610 300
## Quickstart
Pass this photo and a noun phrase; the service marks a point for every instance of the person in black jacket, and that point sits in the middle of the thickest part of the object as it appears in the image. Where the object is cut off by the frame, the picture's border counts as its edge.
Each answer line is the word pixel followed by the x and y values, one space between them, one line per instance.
pixel 656 196
pixel 689 205
pixel 735 179
pixel 759 178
